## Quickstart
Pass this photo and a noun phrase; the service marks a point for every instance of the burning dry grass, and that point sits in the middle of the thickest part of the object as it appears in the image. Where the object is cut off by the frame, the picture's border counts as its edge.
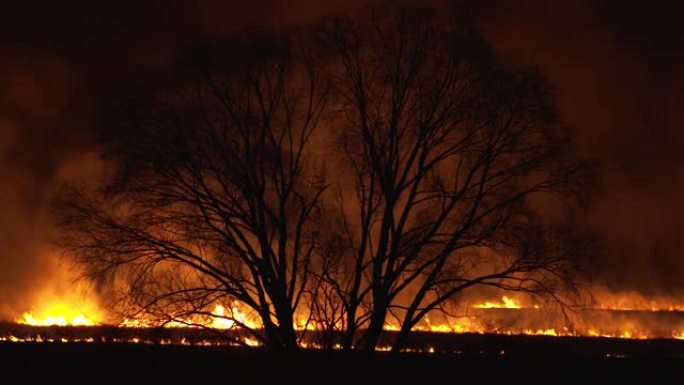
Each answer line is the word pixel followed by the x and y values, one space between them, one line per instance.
pixel 60 322
pixel 429 337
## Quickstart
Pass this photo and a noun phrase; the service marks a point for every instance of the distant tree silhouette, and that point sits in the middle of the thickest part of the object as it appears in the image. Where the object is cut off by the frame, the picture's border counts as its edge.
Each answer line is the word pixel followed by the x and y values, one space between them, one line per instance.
pixel 439 153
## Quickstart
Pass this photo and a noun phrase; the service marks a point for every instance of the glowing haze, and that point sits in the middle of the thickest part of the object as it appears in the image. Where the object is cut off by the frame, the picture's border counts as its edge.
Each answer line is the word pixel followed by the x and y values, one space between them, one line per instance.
pixel 54 80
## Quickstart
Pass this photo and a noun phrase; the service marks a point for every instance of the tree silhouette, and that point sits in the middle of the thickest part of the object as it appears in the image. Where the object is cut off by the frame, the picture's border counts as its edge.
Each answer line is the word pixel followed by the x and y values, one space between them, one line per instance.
pixel 439 156
pixel 445 150
pixel 216 192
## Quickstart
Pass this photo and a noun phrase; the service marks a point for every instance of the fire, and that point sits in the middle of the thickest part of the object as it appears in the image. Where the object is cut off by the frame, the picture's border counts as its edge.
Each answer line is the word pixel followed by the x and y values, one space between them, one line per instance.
pixel 633 301
pixel 63 300
pixel 60 314
pixel 220 317
pixel 506 303
pixel 223 319
pixel 541 332
pixel 508 315
pixel 252 342
pixel 651 307
pixel 219 321
pixel 59 320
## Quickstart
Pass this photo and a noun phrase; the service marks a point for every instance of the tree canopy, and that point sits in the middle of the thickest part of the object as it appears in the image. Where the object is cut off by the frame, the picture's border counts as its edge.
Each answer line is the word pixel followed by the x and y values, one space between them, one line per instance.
pixel 338 178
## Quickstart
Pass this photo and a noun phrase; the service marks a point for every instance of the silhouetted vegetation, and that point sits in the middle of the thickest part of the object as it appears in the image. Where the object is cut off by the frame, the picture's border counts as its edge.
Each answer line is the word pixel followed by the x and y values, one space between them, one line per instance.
pixel 343 176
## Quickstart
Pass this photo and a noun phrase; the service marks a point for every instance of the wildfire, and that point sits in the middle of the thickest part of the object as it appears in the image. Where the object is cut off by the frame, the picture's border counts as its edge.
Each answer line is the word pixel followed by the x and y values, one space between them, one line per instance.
pixel 223 319
pixel 541 332
pixel 633 301
pixel 506 303
pixel 62 300
pixel 60 314
pixel 651 307
pixel 219 318
pixel 519 319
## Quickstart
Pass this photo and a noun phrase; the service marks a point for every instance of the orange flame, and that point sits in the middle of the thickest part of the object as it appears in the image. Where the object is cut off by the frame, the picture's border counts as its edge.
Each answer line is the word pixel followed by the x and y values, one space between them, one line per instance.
pixel 506 303
pixel 72 311
pixel 61 314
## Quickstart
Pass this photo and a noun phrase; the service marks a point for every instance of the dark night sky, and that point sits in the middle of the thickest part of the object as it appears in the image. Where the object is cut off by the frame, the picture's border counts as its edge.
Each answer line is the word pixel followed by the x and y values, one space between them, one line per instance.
pixel 615 65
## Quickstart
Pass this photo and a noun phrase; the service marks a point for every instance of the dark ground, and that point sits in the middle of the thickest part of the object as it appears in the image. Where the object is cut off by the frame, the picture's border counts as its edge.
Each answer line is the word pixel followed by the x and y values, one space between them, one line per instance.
pixel 528 359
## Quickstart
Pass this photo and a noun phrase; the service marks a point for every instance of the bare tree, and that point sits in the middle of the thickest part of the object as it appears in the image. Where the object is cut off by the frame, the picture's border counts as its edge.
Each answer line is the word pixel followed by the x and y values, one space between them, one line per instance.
pixel 446 151
pixel 442 156
pixel 216 193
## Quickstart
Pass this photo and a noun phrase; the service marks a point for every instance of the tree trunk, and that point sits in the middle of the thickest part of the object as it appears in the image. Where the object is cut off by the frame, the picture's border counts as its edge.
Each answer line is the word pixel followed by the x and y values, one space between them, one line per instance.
pixel 350 332
pixel 377 322
pixel 402 337
pixel 286 333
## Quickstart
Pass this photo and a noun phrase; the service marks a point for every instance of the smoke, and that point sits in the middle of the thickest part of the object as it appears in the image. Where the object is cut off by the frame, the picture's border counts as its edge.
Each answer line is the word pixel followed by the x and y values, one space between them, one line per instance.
pixel 58 67
pixel 614 64
pixel 33 93
pixel 616 68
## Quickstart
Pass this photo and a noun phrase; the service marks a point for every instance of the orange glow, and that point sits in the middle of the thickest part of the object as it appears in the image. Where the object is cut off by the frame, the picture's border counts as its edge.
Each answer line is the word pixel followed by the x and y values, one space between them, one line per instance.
pixel 227 319
pixel 516 316
pixel 541 332
pixel 506 303
pixel 62 300
pixel 61 314
pixel 632 301
pixel 252 342
pixel 653 307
